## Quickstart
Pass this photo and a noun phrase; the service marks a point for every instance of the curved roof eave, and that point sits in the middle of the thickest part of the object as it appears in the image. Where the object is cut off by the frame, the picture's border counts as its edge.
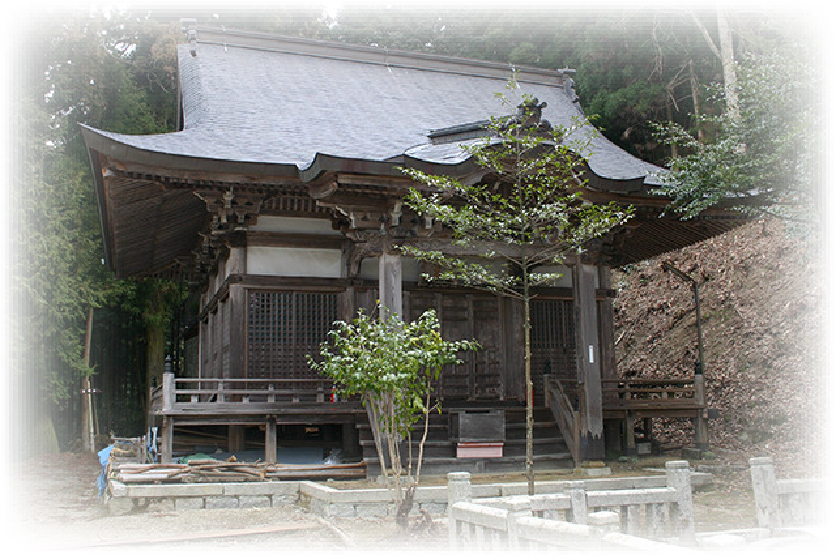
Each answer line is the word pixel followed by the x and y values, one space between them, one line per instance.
pixel 103 143
pixel 114 148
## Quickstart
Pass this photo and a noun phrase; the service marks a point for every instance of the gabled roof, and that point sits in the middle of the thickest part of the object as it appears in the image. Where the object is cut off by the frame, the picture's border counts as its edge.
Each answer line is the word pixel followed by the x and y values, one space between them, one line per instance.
pixel 262 99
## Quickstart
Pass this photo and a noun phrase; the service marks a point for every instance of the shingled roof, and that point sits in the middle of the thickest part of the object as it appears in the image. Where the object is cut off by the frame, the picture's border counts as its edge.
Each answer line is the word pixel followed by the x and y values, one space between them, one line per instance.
pixel 256 98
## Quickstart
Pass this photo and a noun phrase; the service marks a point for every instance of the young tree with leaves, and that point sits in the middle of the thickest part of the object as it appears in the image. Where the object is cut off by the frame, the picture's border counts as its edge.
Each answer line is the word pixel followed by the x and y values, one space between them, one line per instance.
pixel 391 365
pixel 528 215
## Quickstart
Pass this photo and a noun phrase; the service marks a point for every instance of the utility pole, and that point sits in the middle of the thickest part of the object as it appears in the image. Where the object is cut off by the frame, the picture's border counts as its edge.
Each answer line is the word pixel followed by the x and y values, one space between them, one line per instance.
pixel 698 374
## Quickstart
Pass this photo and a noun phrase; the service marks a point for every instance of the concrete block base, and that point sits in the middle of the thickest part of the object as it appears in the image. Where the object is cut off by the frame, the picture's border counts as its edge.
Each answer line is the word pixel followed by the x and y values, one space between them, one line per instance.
pixel 254 502
pixel 221 502
pixel 189 503
pixel 372 510
pixel 596 471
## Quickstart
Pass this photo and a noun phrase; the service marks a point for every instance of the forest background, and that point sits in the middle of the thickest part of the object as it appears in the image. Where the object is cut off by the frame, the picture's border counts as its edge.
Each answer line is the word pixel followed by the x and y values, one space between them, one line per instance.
pixel 115 69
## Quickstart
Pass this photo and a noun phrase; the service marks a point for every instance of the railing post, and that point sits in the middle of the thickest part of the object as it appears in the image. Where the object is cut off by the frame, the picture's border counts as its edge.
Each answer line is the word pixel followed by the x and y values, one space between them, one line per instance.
pixel 629 433
pixel 168 394
pixel 678 478
pixel 270 439
pixel 271 395
pixel 516 508
pixel 166 439
pixel 579 503
pixel 701 419
pixel 458 490
pixel 220 396
pixel 766 498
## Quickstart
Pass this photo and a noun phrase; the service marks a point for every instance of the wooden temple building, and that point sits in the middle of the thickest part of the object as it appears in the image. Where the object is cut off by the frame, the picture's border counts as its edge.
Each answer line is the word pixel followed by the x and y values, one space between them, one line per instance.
pixel 279 200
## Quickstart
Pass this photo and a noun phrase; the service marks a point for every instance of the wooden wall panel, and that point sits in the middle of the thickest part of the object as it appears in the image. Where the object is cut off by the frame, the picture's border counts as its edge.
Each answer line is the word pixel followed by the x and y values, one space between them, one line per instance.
pixel 468 316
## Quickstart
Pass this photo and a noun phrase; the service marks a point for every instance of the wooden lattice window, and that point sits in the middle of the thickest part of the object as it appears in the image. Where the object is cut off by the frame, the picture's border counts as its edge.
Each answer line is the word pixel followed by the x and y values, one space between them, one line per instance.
pixel 283 328
pixel 552 340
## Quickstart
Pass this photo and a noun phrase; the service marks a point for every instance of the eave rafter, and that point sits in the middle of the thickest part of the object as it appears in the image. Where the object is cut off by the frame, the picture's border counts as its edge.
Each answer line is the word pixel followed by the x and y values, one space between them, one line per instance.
pixel 229 204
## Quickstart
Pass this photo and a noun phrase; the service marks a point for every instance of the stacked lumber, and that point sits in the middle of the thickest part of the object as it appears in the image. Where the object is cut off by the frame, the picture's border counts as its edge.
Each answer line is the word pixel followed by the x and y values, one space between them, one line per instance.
pixel 208 471
pixel 128 449
pixel 199 471
pixel 313 472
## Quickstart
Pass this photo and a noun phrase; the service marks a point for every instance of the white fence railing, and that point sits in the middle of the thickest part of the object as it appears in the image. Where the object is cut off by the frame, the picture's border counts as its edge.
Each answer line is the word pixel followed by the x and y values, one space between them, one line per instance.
pixel 784 502
pixel 577 518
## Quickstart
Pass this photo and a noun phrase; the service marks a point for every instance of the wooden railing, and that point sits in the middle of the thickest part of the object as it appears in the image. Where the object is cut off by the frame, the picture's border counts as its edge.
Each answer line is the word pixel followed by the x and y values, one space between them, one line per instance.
pixel 650 392
pixel 252 390
pixel 558 396
pixel 185 393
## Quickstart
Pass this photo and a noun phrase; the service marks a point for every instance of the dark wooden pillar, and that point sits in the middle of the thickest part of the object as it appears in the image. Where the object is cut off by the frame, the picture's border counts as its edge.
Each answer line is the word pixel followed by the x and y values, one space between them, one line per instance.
pixel 351 441
pixel 236 438
pixel 236 266
pixel 606 316
pixel 588 362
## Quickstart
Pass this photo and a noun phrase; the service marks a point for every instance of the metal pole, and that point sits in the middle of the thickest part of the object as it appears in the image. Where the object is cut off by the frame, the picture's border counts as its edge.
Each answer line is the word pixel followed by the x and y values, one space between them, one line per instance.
pixel 695 285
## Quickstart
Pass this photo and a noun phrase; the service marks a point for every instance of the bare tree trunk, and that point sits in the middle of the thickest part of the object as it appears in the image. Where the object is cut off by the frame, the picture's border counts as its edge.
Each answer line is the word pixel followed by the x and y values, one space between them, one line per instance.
pixel 694 89
pixel 409 498
pixel 372 407
pixel 673 146
pixel 726 46
pixel 725 53
pixel 528 396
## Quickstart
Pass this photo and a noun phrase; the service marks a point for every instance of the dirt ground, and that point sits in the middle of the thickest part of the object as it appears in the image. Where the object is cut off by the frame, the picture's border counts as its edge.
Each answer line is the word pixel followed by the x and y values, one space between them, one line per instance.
pixel 58 510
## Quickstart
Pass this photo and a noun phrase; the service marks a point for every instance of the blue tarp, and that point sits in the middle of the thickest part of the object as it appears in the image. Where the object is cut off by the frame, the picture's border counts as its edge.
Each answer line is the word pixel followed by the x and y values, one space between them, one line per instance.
pixel 101 482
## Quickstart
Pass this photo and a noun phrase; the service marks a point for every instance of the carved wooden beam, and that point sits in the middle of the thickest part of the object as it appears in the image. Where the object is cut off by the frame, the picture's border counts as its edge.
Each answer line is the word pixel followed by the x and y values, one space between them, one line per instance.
pixel 230 209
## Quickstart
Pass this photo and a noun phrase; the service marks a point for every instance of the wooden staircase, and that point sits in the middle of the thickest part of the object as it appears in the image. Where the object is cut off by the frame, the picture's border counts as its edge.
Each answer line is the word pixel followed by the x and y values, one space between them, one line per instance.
pixel 550 451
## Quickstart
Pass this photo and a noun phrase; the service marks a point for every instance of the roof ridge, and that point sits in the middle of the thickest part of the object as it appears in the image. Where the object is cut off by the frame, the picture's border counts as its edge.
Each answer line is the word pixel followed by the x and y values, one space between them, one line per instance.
pixel 221 36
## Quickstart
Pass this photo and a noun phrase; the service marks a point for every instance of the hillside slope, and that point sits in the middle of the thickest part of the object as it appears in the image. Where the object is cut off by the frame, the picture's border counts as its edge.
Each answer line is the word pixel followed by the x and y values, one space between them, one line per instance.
pixel 761 304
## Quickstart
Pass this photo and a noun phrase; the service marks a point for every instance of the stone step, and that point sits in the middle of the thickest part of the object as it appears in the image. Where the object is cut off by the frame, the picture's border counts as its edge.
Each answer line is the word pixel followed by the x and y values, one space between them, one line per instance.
pixel 512 432
pixel 541 447
pixel 507 464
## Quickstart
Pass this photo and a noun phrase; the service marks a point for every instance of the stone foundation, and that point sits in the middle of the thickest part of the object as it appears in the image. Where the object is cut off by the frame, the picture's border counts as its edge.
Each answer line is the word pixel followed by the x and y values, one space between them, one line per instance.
pixel 326 501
